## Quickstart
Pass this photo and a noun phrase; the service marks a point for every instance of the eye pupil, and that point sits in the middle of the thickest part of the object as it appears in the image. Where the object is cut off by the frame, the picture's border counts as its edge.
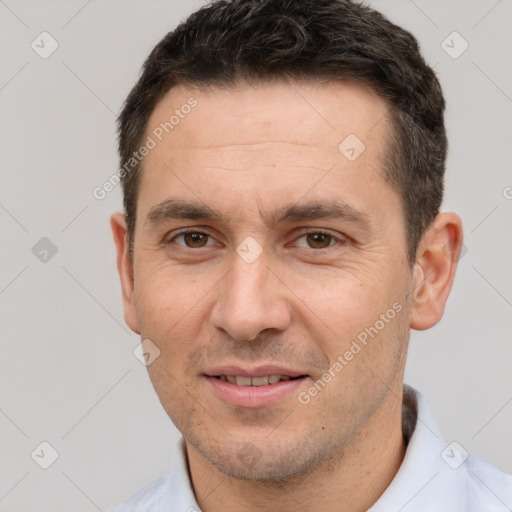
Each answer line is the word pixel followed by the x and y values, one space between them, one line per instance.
pixel 318 240
pixel 195 239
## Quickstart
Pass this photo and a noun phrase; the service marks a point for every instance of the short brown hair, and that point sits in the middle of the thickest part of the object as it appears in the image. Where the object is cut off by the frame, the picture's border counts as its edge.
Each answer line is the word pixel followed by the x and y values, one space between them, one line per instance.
pixel 227 42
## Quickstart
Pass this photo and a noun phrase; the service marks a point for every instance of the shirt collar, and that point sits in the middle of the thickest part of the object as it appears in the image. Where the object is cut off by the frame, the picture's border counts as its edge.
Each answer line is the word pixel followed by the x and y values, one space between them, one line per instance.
pixel 180 483
pixel 424 481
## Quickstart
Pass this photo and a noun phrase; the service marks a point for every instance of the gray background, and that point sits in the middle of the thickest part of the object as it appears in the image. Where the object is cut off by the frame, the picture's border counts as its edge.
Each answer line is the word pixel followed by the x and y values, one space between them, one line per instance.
pixel 68 373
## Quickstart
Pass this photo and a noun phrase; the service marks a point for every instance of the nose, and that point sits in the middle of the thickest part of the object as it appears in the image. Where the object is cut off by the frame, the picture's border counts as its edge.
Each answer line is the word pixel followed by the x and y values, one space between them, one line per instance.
pixel 251 298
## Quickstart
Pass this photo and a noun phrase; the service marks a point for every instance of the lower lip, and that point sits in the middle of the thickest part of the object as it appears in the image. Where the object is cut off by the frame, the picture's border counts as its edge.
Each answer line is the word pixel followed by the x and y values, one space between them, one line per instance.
pixel 254 396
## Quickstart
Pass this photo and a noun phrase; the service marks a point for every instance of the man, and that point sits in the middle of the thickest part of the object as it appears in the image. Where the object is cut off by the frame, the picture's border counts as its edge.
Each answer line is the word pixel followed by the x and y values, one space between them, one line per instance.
pixel 282 164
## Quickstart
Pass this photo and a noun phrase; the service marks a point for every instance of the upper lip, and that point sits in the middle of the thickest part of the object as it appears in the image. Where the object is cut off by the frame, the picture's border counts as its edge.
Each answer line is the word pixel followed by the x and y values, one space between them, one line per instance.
pixel 253 371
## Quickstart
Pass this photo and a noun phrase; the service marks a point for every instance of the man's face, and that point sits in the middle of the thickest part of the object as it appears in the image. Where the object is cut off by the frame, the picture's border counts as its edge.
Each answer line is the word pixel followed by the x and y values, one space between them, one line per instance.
pixel 269 285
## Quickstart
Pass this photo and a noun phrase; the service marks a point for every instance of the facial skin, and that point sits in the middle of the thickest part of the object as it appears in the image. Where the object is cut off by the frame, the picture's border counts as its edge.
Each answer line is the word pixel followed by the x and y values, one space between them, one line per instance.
pixel 247 152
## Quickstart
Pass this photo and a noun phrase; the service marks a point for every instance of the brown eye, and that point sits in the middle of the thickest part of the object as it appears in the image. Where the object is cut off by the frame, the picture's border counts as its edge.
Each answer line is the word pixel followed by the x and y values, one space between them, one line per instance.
pixel 195 239
pixel 192 239
pixel 318 240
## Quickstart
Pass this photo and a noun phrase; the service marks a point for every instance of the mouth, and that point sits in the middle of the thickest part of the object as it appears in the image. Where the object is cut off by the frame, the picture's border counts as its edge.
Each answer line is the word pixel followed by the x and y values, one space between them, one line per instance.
pixel 266 380
pixel 254 388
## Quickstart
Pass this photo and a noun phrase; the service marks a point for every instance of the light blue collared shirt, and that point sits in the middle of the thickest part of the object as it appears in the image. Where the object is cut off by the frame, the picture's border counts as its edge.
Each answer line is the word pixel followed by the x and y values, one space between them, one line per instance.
pixel 433 477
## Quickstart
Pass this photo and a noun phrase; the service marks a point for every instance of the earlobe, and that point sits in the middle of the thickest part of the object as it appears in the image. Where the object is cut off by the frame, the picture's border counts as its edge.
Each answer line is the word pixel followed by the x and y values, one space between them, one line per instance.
pixel 434 270
pixel 125 269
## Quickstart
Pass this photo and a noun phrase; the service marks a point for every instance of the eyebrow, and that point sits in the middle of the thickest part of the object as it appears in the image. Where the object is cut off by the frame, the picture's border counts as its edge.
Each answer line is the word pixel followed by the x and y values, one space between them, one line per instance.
pixel 174 208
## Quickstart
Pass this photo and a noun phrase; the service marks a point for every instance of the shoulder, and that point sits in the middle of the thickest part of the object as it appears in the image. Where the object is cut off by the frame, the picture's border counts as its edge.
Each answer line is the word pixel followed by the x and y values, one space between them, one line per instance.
pixel 152 498
pixel 170 493
pixel 488 488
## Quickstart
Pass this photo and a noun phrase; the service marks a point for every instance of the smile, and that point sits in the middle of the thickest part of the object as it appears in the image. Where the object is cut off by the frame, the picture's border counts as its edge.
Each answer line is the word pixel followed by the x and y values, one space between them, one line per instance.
pixel 243 391
pixel 242 380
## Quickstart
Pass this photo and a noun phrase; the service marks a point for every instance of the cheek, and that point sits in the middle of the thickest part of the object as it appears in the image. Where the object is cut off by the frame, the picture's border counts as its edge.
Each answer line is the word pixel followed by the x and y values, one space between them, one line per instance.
pixel 168 307
pixel 347 307
pixel 167 292
pixel 340 305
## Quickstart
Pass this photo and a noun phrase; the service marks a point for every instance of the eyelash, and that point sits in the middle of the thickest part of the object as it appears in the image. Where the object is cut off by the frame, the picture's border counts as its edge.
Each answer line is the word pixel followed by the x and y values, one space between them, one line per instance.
pixel 339 240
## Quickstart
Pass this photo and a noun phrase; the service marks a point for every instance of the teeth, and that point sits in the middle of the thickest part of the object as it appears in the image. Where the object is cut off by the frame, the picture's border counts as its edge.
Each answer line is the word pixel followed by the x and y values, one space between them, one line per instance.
pixel 259 381
pixel 241 380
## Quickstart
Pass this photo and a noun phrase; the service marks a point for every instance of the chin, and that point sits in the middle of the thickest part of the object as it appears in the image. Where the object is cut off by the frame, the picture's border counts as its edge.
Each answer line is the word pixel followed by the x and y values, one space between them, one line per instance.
pixel 266 465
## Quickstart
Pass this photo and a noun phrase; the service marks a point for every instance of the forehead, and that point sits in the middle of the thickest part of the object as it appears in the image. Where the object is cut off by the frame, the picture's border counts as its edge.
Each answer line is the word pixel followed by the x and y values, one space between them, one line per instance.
pixel 280 137
pixel 315 115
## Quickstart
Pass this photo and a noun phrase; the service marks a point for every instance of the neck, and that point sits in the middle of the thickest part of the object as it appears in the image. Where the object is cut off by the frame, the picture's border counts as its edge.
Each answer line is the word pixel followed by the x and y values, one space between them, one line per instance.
pixel 353 480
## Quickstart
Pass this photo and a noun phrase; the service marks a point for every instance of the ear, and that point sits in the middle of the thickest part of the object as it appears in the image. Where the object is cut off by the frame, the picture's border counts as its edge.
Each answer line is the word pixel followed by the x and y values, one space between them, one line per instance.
pixel 125 269
pixel 434 270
